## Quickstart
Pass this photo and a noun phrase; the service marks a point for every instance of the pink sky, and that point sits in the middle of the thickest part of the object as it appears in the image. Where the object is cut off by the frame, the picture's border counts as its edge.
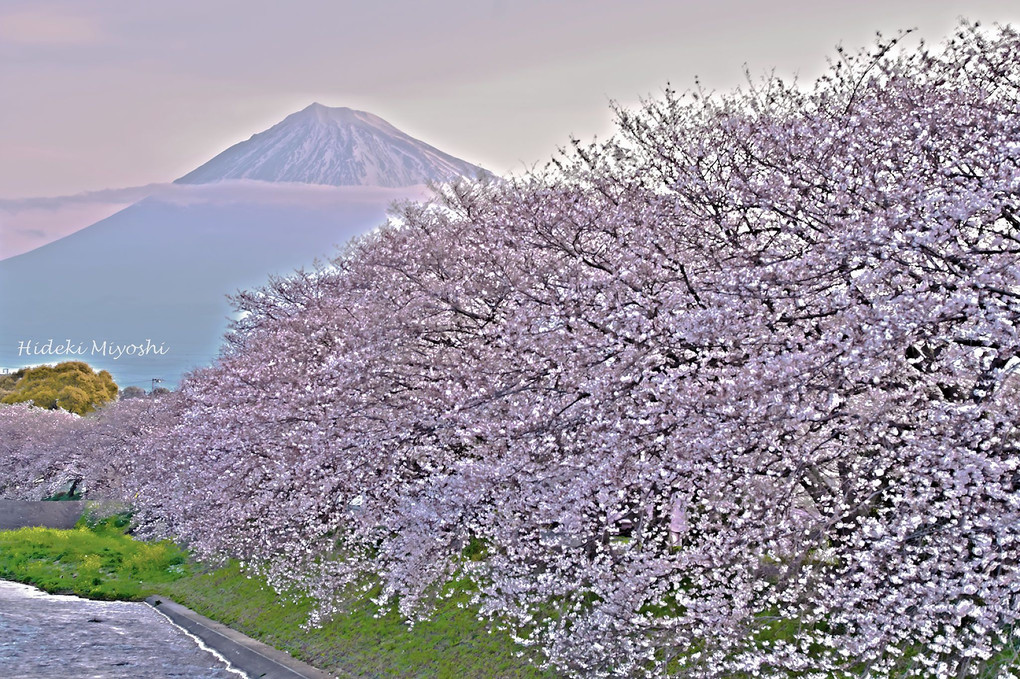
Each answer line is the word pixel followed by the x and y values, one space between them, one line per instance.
pixel 103 94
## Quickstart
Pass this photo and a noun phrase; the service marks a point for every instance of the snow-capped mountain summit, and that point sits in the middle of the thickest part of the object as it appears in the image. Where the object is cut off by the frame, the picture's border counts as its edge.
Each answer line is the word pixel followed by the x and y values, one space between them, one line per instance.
pixel 334 146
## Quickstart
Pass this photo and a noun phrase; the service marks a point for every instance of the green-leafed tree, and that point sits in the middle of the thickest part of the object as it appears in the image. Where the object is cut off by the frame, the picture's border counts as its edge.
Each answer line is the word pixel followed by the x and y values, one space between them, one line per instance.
pixel 8 380
pixel 73 386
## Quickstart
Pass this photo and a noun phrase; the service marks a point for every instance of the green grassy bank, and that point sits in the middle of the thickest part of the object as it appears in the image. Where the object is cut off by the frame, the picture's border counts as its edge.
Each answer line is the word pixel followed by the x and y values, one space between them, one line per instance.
pixel 363 642
pixel 98 560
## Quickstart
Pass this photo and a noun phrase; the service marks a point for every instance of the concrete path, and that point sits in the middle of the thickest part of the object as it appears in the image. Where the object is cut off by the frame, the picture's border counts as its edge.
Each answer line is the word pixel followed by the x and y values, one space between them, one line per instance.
pixel 43 636
pixel 253 657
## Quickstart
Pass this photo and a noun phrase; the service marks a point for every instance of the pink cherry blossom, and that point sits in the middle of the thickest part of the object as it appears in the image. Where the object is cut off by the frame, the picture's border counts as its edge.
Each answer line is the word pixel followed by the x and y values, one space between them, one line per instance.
pixel 732 392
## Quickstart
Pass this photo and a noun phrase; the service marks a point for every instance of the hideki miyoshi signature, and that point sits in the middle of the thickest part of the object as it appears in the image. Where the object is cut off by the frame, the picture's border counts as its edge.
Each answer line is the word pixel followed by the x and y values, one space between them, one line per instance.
pixel 91 348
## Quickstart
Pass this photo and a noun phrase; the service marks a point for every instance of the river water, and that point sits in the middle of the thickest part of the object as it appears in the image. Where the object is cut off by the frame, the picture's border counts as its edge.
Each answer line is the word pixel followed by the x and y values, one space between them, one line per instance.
pixel 43 636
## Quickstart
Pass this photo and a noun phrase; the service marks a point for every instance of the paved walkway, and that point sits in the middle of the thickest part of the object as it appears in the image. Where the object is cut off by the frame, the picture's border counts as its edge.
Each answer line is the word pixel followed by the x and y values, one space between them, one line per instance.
pixel 46 636
pixel 254 657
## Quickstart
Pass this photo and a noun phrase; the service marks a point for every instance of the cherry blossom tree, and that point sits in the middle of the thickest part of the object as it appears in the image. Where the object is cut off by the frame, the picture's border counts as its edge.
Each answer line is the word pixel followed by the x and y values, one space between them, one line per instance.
pixel 33 451
pixel 732 393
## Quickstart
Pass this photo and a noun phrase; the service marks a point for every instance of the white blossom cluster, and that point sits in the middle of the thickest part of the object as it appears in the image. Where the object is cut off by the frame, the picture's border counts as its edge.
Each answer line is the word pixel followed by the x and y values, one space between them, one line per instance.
pixel 730 394
pixel 33 451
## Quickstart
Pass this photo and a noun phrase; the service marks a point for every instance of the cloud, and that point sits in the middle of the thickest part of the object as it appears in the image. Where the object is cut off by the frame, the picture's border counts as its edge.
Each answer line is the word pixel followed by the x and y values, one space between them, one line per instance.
pixel 231 191
pixel 48 27
pixel 29 223
pixel 130 194
pixel 283 193
pixel 25 229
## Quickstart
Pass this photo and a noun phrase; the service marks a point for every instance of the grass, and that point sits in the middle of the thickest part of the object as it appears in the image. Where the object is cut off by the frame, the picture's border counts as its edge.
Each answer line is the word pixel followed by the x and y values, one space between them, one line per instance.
pixel 96 561
pixel 363 642
pixel 99 561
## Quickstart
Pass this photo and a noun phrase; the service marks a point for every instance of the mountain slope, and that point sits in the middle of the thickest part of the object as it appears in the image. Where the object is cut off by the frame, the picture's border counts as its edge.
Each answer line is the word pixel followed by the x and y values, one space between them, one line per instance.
pixel 161 271
pixel 334 146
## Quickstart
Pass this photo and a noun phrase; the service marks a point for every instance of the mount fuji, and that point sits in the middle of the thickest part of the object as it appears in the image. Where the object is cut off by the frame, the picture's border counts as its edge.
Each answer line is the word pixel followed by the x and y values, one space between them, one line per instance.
pixel 159 271
pixel 333 146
